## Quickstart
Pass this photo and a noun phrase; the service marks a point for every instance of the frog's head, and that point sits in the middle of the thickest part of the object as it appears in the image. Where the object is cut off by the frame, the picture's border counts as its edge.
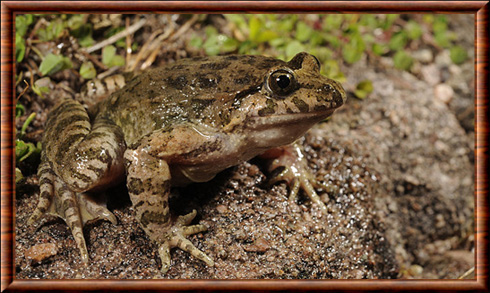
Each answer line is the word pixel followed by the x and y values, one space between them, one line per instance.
pixel 292 97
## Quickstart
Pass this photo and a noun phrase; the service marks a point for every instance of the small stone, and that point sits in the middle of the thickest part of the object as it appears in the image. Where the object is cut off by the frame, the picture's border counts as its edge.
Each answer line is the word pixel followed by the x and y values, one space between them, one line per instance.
pixel 40 252
pixel 424 55
pixel 221 209
pixel 443 59
pixel 443 93
pixel 259 245
pixel 415 270
pixel 431 74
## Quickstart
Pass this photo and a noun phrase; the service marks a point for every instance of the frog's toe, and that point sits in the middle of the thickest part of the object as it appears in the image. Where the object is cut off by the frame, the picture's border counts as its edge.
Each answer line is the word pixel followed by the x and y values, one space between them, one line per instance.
pixel 65 206
pixel 176 238
pixel 291 167
pixel 46 189
pixel 92 209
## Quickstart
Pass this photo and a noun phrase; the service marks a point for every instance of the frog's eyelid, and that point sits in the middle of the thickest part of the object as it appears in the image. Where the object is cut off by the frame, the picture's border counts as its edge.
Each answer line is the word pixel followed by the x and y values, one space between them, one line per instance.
pixel 317 62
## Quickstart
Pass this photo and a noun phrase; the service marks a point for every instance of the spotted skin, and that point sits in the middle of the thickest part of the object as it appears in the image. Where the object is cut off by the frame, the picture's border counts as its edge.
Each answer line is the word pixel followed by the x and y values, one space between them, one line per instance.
pixel 174 125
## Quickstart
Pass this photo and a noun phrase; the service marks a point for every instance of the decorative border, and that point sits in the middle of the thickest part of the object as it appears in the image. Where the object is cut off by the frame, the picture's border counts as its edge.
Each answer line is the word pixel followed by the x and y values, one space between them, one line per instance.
pixel 479 8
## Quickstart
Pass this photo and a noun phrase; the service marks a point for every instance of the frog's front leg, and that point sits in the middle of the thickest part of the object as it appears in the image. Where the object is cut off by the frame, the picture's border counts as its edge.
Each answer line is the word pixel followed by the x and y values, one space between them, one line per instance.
pixel 149 188
pixel 289 164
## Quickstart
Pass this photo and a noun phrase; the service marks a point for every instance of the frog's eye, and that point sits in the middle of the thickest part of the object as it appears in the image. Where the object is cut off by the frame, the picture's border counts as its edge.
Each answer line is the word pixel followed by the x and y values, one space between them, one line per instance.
pixel 282 82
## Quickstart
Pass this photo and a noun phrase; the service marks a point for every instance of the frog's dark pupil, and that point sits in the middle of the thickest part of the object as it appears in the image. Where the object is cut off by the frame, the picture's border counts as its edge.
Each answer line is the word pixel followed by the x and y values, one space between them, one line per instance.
pixel 283 81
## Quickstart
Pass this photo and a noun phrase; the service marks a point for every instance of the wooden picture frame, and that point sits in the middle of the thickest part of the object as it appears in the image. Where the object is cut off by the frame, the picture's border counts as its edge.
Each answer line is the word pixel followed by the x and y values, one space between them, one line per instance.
pixel 479 8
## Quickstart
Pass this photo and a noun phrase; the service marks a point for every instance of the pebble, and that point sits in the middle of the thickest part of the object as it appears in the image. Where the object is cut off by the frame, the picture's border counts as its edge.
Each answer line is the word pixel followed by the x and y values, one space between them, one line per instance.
pixel 431 74
pixel 40 252
pixel 443 93
pixel 259 245
pixel 424 55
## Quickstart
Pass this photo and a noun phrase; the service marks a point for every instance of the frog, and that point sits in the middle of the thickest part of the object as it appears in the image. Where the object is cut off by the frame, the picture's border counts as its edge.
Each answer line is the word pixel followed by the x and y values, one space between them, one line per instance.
pixel 178 124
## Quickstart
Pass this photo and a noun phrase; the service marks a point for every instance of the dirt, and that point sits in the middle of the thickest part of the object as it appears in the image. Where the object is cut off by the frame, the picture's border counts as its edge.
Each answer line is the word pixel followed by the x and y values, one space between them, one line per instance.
pixel 400 167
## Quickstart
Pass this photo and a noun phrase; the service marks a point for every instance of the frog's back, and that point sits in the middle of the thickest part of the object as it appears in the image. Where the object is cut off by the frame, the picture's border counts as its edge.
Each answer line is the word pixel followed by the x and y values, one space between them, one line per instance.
pixel 193 89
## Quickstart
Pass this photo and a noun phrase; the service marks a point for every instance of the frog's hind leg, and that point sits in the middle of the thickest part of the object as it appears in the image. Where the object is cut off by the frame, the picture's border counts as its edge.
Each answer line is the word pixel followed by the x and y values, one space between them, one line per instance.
pixel 46 185
pixel 77 157
pixel 74 208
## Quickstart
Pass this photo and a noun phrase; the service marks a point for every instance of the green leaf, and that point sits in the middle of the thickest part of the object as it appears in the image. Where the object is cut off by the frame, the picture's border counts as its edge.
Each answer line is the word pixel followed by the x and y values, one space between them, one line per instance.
pixel 428 18
pixel 246 47
pixel 26 124
pixel 41 86
pixel 52 31
pixel 54 63
pixel 25 150
pixel 20 47
pixel 414 30
pixel 293 48
pixel 389 20
pixel 363 89
pixel 21 149
pixel 440 24
pixel 22 23
pixel 18 176
pixel 254 27
pixel 278 42
pixel 368 20
pixel 229 44
pixel 196 41
pixel 333 40
pixel 402 60
pixel 287 24
pixel 211 46
pixel 210 31
pixel 266 35
pixel 118 60
pixel 86 41
pixel 353 50
pixel 316 39
pixel 87 70
pixel 350 54
pixel 322 53
pixel 76 21
pixel 380 49
pixel 458 54
pixel 398 41
pixel 81 30
pixel 19 110
pixel 108 53
pixel 238 19
pixel 303 31
pixel 110 58
pixel 442 39
pixel 332 22
pixel 331 68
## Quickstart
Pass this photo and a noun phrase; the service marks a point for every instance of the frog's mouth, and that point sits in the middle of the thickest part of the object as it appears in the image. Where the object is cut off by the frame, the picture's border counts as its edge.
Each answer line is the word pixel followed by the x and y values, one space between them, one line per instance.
pixel 288 120
pixel 281 129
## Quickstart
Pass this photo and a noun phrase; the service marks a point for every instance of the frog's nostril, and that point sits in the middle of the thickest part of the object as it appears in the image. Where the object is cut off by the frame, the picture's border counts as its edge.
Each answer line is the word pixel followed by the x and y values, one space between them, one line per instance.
pixel 337 97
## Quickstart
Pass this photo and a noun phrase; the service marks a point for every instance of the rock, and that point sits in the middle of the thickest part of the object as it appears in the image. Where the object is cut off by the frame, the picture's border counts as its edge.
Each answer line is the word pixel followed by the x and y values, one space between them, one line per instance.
pixel 423 55
pixel 40 252
pixel 443 93
pixel 431 74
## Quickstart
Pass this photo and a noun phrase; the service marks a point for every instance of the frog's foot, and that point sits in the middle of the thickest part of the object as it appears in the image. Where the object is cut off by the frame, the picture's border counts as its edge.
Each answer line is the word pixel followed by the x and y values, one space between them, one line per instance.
pixel 74 208
pixel 290 165
pixel 176 238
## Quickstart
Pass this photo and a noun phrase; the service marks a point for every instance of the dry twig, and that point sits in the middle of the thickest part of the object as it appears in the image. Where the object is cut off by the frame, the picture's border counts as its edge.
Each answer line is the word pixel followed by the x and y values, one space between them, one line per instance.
pixel 114 38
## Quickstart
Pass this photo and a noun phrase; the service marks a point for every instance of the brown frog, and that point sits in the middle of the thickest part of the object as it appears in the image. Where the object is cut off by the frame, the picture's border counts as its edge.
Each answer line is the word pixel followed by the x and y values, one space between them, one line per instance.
pixel 175 125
